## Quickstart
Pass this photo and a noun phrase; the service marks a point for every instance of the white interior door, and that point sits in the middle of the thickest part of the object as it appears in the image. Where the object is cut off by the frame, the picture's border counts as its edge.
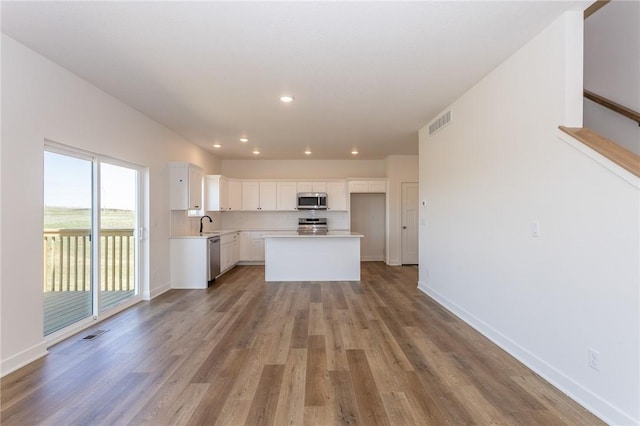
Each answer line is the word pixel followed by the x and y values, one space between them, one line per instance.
pixel 410 223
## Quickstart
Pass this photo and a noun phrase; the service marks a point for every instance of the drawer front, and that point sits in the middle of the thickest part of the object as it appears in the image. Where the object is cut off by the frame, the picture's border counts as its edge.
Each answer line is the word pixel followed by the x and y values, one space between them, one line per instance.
pixel 229 238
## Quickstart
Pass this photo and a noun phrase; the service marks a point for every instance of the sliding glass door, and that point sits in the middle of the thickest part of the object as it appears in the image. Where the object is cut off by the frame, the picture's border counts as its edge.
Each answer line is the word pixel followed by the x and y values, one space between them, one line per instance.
pixel 90 246
pixel 68 213
pixel 118 245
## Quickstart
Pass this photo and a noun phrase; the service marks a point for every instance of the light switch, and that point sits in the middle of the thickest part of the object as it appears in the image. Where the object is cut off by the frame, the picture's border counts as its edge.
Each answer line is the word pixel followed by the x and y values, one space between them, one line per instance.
pixel 535 229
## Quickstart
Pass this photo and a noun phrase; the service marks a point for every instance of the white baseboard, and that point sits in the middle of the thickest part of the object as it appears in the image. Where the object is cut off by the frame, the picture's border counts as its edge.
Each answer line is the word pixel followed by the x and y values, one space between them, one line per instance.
pixel 148 295
pixel 372 259
pixel 18 361
pixel 592 402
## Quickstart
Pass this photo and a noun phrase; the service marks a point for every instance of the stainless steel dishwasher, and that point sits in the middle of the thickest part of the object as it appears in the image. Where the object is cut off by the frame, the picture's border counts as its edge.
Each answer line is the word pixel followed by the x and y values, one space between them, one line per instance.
pixel 214 257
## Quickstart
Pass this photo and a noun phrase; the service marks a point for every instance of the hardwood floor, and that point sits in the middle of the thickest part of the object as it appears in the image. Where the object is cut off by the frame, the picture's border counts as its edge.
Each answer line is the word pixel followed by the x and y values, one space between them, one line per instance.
pixel 374 352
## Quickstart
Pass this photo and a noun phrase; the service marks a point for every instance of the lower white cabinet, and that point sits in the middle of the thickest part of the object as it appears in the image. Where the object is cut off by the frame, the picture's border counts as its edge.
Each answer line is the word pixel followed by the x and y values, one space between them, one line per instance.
pixel 252 246
pixel 189 262
pixel 229 251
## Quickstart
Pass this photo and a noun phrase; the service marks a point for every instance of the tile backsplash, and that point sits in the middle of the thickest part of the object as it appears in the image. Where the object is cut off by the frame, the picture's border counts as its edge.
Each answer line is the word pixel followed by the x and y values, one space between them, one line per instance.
pixel 181 224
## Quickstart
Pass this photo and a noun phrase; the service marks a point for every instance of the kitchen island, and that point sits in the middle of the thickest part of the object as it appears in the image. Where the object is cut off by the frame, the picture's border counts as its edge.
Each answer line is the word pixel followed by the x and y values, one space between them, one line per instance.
pixel 334 256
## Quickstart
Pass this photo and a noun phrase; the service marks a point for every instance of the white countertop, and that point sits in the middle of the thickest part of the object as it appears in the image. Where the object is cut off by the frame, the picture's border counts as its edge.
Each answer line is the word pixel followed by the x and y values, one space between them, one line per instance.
pixel 207 234
pixel 330 234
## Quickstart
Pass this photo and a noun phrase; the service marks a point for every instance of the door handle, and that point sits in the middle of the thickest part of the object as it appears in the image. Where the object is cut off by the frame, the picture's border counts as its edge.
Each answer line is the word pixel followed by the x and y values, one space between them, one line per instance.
pixel 404 227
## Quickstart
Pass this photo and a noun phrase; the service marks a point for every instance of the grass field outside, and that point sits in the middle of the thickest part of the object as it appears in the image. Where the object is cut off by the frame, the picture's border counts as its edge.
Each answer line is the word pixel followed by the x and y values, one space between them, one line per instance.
pixel 75 218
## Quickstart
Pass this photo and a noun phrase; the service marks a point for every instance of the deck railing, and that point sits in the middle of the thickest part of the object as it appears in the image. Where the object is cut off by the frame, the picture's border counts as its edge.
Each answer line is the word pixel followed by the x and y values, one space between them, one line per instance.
pixel 67 260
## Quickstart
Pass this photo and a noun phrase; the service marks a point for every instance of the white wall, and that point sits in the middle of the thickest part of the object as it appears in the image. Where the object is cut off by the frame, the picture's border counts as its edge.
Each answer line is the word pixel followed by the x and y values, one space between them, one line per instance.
pixel 302 169
pixel 399 169
pixel 612 70
pixel 501 165
pixel 41 100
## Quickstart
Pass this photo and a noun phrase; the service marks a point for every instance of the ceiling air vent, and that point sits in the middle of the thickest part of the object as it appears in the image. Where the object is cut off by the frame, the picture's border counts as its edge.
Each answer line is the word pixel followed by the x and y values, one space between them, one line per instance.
pixel 440 122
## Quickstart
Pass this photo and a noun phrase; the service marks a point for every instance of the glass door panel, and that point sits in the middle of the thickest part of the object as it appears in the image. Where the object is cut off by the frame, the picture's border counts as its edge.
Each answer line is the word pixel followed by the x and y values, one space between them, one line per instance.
pixel 118 244
pixel 67 283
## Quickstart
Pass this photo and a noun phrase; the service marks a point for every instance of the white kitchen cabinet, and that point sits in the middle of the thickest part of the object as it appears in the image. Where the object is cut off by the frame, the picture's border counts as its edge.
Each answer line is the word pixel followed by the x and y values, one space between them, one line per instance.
pixel 337 196
pixel 286 193
pixel 216 193
pixel 252 246
pixel 223 194
pixel 229 251
pixel 258 196
pixel 368 186
pixel 189 262
pixel 185 186
pixel 312 186
pixel 234 195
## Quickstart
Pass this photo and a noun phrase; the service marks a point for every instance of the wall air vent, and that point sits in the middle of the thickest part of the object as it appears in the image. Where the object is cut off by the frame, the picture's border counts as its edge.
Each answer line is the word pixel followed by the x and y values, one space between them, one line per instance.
pixel 440 122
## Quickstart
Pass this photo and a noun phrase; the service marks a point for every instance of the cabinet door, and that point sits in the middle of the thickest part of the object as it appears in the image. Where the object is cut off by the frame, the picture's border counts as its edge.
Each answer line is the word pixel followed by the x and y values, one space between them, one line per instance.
pixel 250 196
pixel 225 256
pixel 234 195
pixel 286 196
pixel 179 187
pixel 224 194
pixel 337 196
pixel 358 186
pixel 268 196
pixel 258 249
pixel 319 187
pixel 216 193
pixel 305 186
pixel 377 186
pixel 245 246
pixel 312 186
pixel 195 188
pixel 235 251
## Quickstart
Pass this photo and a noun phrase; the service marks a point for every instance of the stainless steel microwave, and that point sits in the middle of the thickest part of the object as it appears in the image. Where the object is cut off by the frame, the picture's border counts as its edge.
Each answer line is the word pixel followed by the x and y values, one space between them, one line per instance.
pixel 312 201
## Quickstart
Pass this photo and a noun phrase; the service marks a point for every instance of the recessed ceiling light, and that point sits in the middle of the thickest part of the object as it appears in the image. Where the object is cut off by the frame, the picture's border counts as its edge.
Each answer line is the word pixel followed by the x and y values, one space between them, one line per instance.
pixel 286 99
pixel 244 140
pixel 354 152
pixel 216 145
pixel 308 152
pixel 256 152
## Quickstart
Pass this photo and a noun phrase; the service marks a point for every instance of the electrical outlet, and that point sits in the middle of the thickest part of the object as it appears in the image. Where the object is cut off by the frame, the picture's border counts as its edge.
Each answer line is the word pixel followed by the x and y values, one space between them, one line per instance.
pixel 594 359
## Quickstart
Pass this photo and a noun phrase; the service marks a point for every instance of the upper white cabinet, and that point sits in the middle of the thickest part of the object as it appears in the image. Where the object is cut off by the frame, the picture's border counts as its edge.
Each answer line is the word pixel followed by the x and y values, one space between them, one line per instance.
pixel 258 196
pixel 369 185
pixel 286 193
pixel 337 196
pixel 222 194
pixel 312 186
pixel 185 186
pixel 216 193
pixel 234 195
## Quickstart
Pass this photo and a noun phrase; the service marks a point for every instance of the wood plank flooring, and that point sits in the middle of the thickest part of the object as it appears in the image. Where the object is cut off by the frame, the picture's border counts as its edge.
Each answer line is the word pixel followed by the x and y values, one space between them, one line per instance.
pixel 373 352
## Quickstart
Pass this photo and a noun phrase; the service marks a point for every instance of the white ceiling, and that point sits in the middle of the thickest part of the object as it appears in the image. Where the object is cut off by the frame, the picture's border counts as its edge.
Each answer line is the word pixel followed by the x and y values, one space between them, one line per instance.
pixel 365 75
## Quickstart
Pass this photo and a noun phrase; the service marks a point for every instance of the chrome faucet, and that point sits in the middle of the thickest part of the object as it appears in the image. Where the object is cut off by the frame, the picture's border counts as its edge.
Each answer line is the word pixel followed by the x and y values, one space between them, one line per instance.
pixel 210 221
